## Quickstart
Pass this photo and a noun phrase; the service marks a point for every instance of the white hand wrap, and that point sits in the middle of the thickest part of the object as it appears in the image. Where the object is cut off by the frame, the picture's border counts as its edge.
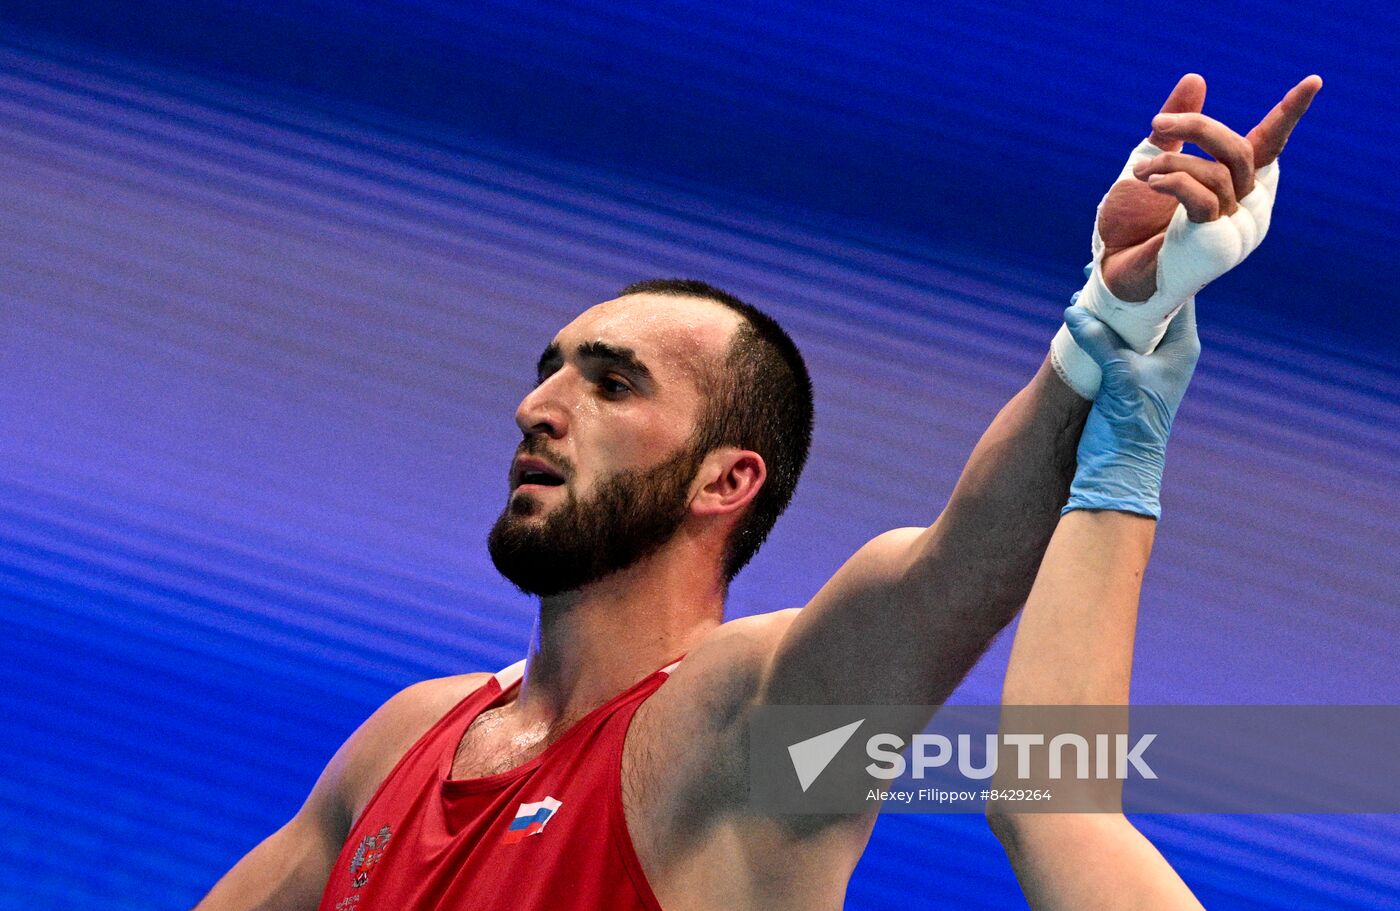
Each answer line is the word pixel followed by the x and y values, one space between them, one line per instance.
pixel 1192 256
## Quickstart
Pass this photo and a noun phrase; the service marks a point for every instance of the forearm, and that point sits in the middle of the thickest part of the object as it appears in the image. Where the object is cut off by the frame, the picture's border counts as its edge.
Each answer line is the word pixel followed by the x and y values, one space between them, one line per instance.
pixel 1074 644
pixel 986 546
pixel 1072 861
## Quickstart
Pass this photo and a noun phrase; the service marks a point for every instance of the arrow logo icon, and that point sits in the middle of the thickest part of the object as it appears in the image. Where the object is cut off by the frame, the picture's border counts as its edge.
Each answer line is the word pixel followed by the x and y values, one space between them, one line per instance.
pixel 811 756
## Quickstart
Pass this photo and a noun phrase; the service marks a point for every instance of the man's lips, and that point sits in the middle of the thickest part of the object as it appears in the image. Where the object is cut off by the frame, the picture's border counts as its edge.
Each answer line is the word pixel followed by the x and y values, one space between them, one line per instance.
pixel 534 488
pixel 532 471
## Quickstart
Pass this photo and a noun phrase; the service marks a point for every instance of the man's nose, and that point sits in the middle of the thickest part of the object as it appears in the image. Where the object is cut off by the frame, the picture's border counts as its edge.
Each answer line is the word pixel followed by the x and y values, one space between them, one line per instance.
pixel 543 411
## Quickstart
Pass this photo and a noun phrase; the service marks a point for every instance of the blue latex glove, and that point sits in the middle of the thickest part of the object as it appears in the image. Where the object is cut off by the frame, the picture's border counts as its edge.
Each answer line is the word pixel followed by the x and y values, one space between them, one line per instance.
pixel 1124 445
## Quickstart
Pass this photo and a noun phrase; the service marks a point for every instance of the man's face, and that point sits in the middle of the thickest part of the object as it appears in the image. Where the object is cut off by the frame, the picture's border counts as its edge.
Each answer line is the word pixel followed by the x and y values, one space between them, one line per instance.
pixel 603 474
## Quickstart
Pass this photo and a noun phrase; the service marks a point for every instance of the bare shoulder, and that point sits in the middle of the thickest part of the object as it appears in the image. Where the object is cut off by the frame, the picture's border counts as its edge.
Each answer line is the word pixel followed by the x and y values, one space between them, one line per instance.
pixel 421 704
pixel 371 753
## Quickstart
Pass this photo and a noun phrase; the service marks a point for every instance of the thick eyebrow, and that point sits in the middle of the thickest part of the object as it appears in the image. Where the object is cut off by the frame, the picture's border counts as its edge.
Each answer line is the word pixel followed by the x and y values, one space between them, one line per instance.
pixel 549 361
pixel 619 356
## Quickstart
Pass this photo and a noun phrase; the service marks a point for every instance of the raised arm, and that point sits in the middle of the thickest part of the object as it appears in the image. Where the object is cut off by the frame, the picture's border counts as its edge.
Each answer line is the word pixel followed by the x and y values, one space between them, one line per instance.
pixel 911 611
pixel 1074 646
pixel 906 617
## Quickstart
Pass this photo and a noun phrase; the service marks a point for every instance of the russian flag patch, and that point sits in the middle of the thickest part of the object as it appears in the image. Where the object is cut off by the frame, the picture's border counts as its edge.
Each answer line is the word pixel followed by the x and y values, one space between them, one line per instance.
pixel 530 819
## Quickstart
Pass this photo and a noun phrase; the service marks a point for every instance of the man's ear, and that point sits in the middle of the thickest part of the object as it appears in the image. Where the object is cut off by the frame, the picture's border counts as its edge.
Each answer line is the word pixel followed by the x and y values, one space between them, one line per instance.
pixel 727 481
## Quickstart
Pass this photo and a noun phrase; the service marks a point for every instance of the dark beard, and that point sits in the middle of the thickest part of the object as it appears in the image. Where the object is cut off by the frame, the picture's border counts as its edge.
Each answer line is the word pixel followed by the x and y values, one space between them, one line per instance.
pixel 629 516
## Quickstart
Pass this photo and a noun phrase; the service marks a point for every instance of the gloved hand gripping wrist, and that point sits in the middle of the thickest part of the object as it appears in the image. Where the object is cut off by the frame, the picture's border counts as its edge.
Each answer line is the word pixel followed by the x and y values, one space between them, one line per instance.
pixel 1123 448
pixel 1192 255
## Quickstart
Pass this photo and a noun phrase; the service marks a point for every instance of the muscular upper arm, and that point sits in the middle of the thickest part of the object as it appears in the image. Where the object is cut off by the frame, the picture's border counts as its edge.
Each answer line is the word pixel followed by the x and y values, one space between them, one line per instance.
pixel 288 870
pixel 900 623
pixel 907 616
pixel 862 639
pixel 687 751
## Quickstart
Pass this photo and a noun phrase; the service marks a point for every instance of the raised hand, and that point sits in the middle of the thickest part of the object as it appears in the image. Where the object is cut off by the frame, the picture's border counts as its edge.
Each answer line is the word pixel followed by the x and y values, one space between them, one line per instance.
pixel 1172 223
pixel 1134 217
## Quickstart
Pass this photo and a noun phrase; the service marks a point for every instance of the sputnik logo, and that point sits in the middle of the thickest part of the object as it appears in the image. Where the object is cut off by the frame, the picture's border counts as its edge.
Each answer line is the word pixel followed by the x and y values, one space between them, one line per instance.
pixel 810 757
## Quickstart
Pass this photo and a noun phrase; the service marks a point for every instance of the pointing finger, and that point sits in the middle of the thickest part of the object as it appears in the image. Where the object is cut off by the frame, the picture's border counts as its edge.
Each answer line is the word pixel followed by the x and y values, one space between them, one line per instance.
pixel 1268 138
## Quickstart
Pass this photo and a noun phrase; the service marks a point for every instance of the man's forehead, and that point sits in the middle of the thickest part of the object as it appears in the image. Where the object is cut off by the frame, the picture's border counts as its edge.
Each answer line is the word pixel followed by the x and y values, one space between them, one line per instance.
pixel 670 329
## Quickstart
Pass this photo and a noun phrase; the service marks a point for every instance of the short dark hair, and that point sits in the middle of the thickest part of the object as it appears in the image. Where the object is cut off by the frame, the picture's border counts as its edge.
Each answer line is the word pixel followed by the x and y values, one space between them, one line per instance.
pixel 761 400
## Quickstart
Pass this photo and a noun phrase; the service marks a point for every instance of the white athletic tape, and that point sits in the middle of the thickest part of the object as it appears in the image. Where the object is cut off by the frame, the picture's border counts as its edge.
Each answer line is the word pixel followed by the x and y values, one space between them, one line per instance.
pixel 1192 256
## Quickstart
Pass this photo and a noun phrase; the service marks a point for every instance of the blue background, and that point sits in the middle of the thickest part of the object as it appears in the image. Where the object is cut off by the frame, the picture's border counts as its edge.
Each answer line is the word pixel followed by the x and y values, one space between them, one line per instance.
pixel 275 275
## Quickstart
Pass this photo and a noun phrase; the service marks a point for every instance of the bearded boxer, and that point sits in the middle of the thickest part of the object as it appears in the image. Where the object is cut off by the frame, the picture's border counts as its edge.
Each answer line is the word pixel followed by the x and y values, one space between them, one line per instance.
pixel 665 435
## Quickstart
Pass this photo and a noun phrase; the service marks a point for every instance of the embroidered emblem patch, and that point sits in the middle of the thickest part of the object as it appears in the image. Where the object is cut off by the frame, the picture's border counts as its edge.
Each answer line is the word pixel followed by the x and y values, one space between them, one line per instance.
pixel 369 852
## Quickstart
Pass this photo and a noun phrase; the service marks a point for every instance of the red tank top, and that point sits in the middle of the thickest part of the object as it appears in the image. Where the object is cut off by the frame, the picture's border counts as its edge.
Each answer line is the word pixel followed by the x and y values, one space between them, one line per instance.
pixel 548 834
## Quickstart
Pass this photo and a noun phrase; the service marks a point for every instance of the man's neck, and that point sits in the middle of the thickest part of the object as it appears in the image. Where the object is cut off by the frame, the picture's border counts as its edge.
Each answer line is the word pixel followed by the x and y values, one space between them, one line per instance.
pixel 591 644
